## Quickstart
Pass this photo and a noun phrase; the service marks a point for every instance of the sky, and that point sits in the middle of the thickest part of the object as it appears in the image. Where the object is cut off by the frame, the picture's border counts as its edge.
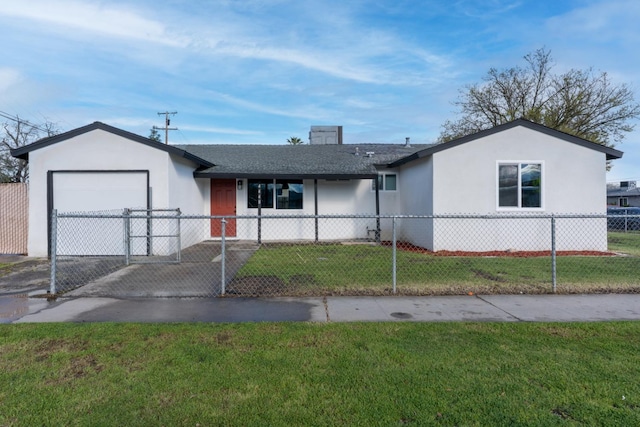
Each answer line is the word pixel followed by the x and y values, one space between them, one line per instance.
pixel 261 71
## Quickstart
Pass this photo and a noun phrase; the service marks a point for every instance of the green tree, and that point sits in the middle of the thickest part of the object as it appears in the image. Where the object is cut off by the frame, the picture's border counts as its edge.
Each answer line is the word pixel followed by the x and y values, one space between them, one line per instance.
pixel 294 140
pixel 155 135
pixel 583 103
pixel 17 133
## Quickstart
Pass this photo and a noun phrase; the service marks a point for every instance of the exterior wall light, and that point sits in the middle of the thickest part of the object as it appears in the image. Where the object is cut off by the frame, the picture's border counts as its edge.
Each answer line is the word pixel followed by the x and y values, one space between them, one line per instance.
pixel 239 184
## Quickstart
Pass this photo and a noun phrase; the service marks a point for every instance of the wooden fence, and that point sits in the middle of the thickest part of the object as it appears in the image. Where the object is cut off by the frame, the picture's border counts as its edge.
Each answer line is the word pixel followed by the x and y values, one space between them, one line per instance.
pixel 14 218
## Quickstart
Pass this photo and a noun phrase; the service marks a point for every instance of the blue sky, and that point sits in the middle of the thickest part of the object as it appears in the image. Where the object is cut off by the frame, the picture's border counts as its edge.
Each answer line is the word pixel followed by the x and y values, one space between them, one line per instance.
pixel 260 71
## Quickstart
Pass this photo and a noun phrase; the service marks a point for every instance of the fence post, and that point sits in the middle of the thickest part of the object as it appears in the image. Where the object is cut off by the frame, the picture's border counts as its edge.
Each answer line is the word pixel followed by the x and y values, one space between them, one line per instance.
pixel 626 212
pixel 394 253
pixel 315 197
pixel 259 213
pixel 179 237
pixel 127 235
pixel 54 249
pixel 223 256
pixel 553 253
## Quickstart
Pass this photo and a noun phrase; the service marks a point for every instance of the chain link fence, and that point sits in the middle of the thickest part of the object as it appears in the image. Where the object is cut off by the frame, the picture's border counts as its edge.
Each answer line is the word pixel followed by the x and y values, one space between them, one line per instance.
pixel 166 254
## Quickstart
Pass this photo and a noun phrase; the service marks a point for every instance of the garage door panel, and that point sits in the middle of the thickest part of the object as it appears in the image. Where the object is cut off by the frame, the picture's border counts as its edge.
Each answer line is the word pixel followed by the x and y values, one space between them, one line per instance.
pixel 98 192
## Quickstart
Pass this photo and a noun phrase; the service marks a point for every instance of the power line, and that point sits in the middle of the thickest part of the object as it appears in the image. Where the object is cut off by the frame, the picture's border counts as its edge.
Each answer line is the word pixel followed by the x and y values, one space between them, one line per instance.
pixel 19 120
pixel 167 122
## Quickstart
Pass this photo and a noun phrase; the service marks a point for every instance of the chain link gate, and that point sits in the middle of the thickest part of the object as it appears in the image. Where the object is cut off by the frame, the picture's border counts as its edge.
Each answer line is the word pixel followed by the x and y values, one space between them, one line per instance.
pixel 152 236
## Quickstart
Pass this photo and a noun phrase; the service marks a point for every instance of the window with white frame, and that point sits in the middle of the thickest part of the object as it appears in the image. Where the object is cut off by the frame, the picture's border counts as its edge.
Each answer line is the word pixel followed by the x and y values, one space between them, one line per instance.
pixel 623 201
pixel 281 193
pixel 386 182
pixel 520 185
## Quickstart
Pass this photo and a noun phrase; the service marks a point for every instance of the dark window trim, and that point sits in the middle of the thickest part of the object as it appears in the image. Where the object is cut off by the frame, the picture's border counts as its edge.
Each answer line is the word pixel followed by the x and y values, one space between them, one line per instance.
pixel 381 179
pixel 274 197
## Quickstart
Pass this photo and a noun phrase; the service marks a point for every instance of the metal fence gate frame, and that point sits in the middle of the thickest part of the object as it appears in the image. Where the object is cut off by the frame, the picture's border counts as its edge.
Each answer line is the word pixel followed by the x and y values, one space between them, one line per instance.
pixel 148 216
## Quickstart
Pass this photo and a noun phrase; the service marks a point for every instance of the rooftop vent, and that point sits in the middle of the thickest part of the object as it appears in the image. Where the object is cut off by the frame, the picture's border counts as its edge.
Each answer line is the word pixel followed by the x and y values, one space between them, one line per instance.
pixel 325 135
pixel 407 142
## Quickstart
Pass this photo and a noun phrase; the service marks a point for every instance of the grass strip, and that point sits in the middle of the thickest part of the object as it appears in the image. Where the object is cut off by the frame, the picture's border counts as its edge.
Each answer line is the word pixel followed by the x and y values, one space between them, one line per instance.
pixel 628 243
pixel 475 374
pixel 367 269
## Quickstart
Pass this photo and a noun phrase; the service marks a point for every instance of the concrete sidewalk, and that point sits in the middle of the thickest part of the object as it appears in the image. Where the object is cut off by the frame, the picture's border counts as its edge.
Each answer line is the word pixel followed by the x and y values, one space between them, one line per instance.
pixel 490 308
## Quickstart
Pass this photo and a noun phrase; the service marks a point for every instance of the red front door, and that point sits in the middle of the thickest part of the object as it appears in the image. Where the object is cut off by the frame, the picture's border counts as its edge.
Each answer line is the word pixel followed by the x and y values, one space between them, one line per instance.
pixel 223 202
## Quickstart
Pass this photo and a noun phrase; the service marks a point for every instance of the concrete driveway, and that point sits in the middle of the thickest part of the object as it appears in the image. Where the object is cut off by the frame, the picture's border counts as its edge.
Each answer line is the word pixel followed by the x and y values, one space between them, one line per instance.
pixel 198 274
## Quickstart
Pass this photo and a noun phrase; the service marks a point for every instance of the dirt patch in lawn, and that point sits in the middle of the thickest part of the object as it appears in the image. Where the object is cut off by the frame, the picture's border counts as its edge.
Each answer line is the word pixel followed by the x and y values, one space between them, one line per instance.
pixel 404 246
pixel 255 286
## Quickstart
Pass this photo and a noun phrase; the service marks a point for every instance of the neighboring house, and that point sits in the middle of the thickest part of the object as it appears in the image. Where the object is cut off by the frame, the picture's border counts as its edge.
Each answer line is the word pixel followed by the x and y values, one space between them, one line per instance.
pixel 516 168
pixel 623 194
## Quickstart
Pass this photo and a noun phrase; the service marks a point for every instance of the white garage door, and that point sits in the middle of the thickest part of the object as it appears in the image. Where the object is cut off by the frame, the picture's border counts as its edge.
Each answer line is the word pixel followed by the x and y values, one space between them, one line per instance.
pixel 98 192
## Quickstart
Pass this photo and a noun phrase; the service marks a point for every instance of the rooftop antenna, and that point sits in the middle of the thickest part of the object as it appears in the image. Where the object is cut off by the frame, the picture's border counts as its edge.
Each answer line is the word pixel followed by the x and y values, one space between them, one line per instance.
pixel 167 122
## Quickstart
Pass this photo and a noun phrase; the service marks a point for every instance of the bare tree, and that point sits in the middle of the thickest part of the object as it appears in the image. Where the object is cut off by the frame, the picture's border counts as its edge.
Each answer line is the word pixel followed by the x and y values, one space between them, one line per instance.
pixel 294 140
pixel 18 133
pixel 579 102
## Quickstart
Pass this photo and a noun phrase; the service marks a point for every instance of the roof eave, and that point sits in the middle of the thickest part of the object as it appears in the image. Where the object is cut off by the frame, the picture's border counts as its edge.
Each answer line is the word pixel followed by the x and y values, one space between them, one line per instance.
pixel 23 152
pixel 611 153
pixel 276 175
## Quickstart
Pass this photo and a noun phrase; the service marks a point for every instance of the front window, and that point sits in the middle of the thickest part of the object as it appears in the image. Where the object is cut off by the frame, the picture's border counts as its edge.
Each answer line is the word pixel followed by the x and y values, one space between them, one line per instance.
pixel 283 193
pixel 260 189
pixel 520 185
pixel 288 194
pixel 386 182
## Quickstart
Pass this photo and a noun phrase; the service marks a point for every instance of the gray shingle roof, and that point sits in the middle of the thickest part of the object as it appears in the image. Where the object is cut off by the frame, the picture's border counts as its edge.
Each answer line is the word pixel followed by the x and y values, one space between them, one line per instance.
pixel 617 192
pixel 302 161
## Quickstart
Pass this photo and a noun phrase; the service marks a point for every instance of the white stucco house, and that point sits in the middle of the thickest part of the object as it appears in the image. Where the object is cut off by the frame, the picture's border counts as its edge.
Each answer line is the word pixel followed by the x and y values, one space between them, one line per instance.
pixel 513 169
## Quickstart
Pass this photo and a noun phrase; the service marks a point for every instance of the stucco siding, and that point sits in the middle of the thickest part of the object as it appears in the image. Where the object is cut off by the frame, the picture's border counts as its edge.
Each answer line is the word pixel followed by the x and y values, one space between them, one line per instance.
pixel 96 150
pixel 348 197
pixel 188 194
pixel 352 197
pixel 465 182
pixel 416 188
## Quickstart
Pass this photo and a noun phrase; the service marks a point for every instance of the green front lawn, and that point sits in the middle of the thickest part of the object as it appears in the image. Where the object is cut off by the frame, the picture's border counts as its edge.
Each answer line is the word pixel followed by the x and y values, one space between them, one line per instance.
pixel 307 269
pixel 628 243
pixel 283 374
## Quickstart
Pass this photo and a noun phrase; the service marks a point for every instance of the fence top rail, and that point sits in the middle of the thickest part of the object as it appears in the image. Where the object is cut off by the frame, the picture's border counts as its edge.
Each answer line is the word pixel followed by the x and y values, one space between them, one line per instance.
pixel 341 216
pixel 154 210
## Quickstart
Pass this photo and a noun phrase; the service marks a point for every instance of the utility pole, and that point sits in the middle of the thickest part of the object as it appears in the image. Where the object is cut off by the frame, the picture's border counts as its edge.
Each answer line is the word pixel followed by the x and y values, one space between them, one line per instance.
pixel 167 122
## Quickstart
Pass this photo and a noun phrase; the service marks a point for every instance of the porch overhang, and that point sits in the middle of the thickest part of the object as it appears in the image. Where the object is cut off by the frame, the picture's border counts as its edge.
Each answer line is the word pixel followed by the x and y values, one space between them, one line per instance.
pixel 266 175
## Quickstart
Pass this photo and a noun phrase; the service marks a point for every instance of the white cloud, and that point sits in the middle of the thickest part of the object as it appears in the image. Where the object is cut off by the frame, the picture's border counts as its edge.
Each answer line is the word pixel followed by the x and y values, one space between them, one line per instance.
pixel 220 130
pixel 346 49
pixel 9 77
pixel 604 21
pixel 305 113
pixel 113 21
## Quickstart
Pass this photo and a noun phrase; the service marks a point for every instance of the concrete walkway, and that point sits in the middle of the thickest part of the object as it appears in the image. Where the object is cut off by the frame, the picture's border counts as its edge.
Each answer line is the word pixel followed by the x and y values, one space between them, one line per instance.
pixel 492 308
